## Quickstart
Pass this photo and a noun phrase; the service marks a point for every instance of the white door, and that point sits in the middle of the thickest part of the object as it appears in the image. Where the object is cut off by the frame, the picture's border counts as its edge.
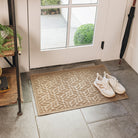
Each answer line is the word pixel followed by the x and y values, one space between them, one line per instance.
pixel 65 31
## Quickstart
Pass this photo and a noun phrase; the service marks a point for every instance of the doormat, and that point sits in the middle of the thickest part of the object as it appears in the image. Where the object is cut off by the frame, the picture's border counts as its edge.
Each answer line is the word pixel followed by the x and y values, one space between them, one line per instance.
pixel 68 89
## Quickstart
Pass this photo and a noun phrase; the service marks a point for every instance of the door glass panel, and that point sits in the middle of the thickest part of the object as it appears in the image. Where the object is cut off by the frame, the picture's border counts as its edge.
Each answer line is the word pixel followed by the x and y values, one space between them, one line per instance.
pixel 53 2
pixel 82 26
pixel 83 1
pixel 53 28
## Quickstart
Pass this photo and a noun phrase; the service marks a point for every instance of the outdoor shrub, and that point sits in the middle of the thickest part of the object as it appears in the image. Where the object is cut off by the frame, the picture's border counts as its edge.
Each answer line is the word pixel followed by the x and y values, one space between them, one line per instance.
pixel 43 2
pixel 84 34
pixel 50 2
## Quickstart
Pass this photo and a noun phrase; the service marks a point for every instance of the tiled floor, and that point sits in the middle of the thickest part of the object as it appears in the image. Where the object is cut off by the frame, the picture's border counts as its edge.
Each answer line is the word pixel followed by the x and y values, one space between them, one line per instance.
pixel 112 120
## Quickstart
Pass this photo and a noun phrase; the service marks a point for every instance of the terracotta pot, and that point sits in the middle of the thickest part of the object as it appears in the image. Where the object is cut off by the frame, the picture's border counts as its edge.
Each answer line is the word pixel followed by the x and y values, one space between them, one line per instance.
pixel 0 71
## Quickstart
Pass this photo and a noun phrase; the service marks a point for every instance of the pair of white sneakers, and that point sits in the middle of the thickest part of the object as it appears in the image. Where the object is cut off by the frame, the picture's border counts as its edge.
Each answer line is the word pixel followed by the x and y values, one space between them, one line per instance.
pixel 108 85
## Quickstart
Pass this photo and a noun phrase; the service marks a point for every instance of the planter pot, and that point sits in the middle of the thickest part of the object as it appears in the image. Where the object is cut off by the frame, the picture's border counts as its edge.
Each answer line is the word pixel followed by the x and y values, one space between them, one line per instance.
pixel 4 34
pixel 0 71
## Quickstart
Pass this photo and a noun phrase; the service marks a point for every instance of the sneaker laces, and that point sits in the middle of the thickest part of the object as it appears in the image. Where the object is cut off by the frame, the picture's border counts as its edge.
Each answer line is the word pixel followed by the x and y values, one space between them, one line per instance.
pixel 111 79
pixel 114 82
pixel 103 83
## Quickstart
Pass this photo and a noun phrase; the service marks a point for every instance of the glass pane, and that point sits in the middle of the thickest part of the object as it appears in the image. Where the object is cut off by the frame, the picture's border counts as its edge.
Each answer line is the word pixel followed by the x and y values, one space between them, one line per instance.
pixel 83 1
pixel 53 28
pixel 53 2
pixel 82 26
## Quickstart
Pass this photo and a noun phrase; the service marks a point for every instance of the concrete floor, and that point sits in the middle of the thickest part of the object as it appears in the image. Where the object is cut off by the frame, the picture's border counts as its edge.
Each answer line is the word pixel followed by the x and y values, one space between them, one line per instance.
pixel 112 120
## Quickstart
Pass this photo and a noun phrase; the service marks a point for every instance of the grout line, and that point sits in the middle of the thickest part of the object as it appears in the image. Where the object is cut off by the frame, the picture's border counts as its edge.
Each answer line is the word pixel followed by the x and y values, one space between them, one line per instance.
pixel 34 108
pixel 36 121
pixel 109 118
pixel 33 101
pixel 112 117
pixel 32 95
pixel 130 114
pixel 86 124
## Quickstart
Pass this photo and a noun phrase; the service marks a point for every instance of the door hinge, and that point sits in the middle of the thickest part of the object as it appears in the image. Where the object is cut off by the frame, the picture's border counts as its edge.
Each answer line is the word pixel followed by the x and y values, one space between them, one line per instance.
pixel 102 45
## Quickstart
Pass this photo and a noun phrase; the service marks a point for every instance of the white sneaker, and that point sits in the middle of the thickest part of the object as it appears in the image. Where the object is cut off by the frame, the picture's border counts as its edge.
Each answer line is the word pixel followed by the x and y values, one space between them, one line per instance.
pixel 103 86
pixel 117 87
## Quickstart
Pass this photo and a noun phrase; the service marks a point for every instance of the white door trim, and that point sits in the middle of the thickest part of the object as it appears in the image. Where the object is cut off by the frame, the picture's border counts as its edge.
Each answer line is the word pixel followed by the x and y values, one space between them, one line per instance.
pixel 63 55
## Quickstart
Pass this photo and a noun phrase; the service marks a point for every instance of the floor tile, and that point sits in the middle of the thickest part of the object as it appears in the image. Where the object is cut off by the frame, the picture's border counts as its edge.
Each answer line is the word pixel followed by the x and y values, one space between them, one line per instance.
pixel 12 126
pixel 129 78
pixel 132 108
pixel 103 111
pixel 79 65
pixel 63 67
pixel 104 129
pixel 127 127
pixel 26 87
pixel 114 65
pixel 46 69
pixel 68 124
pixel 121 127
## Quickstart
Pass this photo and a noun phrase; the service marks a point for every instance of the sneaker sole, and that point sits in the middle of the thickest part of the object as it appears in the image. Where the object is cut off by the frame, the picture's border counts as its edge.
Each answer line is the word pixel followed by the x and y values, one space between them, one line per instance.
pixel 117 92
pixel 121 93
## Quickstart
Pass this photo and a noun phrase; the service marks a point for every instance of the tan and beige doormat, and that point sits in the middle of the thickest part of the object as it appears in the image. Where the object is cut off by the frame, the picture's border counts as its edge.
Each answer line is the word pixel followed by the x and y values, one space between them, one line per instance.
pixel 68 89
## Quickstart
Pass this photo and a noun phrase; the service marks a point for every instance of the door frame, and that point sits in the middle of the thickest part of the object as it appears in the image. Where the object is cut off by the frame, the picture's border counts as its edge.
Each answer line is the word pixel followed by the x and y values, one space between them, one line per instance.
pixel 93 52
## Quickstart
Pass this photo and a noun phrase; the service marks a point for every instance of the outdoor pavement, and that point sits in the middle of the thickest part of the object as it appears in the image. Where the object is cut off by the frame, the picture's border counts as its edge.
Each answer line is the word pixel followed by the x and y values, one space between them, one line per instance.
pixel 54 27
pixel 111 120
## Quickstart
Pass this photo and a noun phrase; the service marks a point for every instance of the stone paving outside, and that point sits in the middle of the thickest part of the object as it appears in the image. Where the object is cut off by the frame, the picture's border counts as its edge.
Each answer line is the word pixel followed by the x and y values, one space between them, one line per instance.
pixel 54 27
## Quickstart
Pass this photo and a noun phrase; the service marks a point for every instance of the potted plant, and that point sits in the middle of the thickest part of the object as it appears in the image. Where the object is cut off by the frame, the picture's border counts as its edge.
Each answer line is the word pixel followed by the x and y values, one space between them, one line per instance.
pixel 6 39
